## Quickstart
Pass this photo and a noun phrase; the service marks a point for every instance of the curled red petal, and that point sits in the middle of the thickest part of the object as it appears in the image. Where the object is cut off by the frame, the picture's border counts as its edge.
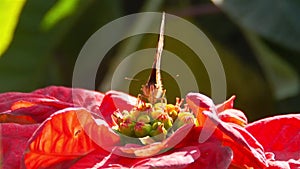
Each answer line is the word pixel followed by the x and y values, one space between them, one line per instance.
pixel 199 103
pixel 34 111
pixel 40 104
pixel 66 94
pixel 233 116
pixel 196 100
pixel 10 98
pixel 114 100
pixel 279 135
pixel 228 104
pixel 37 110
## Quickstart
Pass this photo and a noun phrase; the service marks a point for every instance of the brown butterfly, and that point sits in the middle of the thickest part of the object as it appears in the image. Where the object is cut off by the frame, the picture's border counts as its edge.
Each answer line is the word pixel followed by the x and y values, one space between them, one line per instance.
pixel 153 90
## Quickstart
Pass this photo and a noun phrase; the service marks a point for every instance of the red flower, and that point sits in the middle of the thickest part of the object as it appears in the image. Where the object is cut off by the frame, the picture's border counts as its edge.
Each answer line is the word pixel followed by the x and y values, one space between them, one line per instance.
pixel 58 127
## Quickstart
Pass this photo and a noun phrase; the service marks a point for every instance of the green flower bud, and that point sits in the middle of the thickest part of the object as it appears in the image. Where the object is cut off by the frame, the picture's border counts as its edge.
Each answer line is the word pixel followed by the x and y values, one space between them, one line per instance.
pixel 129 117
pixel 166 120
pixel 184 118
pixel 156 114
pixel 158 131
pixel 134 114
pixel 127 127
pixel 156 124
pixel 144 118
pixel 141 129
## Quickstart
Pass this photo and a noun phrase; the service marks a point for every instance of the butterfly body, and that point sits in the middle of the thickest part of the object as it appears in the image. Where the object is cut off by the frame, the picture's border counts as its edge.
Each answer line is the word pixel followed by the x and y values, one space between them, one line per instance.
pixel 153 90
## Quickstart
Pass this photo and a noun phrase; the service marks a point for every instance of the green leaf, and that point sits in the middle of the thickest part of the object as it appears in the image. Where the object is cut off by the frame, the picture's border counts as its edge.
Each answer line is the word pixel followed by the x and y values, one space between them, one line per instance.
pixel 46 43
pixel 59 11
pixel 277 21
pixel 29 63
pixel 9 16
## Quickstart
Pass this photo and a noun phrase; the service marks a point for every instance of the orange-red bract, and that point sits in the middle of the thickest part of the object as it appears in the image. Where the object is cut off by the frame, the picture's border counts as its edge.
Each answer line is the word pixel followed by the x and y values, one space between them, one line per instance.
pixel 40 104
pixel 280 137
pixel 246 150
pixel 187 154
pixel 74 135
pixel 64 137
pixel 115 100
pixel 13 143
pixel 19 119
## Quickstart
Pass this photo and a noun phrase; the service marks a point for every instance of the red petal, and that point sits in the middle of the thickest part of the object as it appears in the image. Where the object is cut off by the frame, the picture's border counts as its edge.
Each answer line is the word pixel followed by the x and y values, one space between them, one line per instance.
pixel 290 164
pixel 64 137
pixel 233 116
pixel 199 103
pixel 103 159
pixel 179 158
pixel 9 118
pixel 14 139
pixel 40 104
pixel 10 98
pixel 61 93
pixel 247 151
pixel 114 100
pixel 80 97
pixel 198 100
pixel 37 110
pixel 279 134
pixel 210 154
pixel 213 153
pixel 228 104
pixel 21 104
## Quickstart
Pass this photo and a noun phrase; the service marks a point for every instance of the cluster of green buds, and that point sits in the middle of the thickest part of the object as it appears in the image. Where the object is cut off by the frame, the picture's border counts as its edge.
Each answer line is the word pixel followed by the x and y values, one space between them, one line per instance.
pixel 155 120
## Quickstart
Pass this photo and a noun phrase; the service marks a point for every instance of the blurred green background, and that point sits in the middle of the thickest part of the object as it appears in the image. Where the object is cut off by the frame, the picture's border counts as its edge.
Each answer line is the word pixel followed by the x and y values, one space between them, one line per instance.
pixel 258 42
